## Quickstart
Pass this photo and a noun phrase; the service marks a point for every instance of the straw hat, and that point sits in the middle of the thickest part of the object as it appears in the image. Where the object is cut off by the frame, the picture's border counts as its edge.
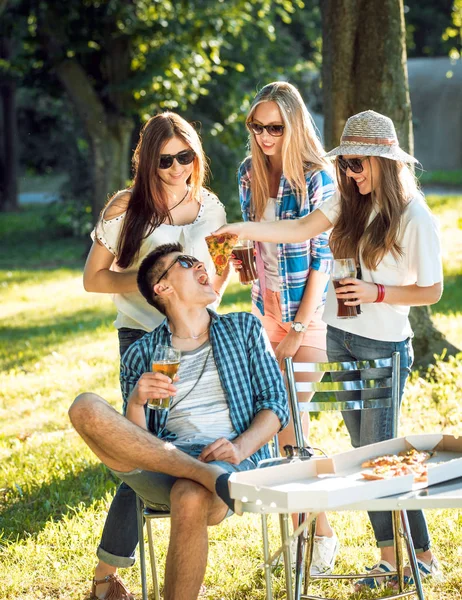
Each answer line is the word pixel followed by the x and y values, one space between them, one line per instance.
pixel 371 134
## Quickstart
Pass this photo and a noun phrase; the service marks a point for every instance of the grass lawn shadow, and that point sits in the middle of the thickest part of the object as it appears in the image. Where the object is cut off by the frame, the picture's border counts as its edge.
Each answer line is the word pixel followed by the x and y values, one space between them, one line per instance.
pixel 30 342
pixel 28 513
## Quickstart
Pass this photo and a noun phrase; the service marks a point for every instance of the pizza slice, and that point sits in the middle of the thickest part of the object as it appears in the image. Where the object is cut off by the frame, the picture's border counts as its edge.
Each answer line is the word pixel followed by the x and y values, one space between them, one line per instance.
pixel 220 249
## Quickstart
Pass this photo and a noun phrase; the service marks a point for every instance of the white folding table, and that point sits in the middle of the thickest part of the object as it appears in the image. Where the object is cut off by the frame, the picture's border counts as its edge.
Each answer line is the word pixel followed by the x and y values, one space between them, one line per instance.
pixel 443 495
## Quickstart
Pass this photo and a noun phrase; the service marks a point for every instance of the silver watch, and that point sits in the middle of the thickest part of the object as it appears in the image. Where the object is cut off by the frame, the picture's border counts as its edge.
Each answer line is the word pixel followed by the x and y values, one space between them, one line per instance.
pixel 298 327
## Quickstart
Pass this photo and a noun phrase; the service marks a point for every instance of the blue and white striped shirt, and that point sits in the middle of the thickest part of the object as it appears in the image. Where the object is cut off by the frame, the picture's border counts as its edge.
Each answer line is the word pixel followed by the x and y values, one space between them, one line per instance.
pixel 248 371
pixel 294 260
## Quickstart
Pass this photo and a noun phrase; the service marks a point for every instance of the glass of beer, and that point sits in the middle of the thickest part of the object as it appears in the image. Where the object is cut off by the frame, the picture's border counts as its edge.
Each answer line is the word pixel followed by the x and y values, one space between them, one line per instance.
pixel 165 360
pixel 244 252
pixel 342 268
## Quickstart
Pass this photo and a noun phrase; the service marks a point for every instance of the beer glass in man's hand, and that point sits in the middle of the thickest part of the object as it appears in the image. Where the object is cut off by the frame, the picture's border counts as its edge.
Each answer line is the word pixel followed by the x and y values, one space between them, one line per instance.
pixel 165 360
pixel 342 268
pixel 244 252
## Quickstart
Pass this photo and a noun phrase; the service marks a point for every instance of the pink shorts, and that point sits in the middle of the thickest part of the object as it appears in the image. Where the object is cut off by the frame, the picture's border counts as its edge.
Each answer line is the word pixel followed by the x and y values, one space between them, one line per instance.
pixel 276 329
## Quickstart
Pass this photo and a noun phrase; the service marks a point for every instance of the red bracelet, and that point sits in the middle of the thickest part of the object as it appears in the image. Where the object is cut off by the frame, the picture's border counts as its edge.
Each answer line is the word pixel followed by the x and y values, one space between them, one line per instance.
pixel 380 292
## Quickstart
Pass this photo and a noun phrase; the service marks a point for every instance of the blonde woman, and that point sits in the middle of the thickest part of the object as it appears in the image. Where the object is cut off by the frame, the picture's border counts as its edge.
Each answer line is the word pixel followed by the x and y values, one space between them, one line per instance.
pixel 286 178
pixel 379 217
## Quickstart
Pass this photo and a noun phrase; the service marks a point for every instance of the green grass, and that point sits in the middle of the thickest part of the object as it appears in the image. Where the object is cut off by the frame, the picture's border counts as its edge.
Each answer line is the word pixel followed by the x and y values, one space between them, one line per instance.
pixel 56 341
pixel 443 178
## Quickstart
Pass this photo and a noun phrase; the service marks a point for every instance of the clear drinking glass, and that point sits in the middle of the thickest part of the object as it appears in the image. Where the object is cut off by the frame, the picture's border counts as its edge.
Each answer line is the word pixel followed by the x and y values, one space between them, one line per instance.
pixel 165 360
pixel 244 251
pixel 344 267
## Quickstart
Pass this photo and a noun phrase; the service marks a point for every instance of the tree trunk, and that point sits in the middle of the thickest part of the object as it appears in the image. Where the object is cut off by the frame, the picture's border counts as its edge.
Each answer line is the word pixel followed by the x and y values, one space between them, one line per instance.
pixel 109 135
pixel 364 67
pixel 9 155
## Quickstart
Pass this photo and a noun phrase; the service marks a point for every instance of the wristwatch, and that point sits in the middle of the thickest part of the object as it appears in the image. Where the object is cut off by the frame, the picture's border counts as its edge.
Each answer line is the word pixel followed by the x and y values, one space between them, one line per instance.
pixel 298 327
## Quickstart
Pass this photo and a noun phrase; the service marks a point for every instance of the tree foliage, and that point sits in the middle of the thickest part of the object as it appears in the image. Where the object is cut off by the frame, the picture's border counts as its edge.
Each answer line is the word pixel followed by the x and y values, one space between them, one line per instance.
pixel 426 25
pixel 121 61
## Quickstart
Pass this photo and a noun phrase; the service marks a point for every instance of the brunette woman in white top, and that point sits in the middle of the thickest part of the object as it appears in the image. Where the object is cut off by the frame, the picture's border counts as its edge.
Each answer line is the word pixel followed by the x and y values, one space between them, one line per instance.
pixel 380 218
pixel 166 204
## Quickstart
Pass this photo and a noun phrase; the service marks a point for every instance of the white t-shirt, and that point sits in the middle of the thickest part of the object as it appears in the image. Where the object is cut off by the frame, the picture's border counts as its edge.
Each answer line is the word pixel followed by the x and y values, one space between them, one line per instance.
pixel 420 264
pixel 269 251
pixel 132 309
pixel 199 411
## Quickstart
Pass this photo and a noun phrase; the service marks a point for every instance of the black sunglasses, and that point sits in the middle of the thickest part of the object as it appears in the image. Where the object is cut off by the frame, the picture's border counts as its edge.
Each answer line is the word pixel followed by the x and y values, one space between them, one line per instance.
pixel 273 130
pixel 354 164
pixel 184 260
pixel 185 157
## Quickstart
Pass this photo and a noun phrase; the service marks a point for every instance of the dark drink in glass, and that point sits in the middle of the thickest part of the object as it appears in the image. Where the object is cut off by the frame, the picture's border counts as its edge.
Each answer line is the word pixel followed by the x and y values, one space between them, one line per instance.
pixel 342 268
pixel 343 311
pixel 245 253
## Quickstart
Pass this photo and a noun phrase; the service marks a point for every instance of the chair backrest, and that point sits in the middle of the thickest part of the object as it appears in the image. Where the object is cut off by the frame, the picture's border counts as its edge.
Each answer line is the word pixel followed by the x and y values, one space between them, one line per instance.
pixel 356 385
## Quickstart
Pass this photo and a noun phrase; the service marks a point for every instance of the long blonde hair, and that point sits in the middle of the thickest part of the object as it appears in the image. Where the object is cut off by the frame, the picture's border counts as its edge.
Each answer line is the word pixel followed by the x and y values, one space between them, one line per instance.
pixel 301 149
pixel 352 234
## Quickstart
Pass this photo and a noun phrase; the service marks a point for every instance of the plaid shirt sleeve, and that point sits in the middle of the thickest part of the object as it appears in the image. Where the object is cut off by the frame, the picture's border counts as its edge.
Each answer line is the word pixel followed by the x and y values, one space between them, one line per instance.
pixel 320 188
pixel 266 380
pixel 132 367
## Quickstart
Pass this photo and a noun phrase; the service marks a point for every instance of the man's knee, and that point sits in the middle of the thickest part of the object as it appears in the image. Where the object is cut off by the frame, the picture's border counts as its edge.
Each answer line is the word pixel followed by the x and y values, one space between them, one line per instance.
pixel 189 499
pixel 81 408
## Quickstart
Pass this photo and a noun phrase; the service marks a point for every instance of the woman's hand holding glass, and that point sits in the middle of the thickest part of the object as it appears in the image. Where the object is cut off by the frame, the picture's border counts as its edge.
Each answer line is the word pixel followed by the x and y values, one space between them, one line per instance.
pixel 355 291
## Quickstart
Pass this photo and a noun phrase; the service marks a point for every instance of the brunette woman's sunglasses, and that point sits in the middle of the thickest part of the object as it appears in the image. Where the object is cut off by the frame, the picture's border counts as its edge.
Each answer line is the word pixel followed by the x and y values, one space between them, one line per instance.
pixel 354 164
pixel 273 130
pixel 185 157
pixel 184 260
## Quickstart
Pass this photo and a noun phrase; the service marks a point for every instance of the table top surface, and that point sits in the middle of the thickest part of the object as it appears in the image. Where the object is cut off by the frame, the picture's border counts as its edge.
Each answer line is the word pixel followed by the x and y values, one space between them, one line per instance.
pixel 447 494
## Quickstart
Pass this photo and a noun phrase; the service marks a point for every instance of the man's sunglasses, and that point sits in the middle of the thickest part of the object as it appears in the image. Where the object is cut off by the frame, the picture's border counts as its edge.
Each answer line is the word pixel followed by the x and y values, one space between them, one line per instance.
pixel 273 130
pixel 185 157
pixel 184 260
pixel 354 164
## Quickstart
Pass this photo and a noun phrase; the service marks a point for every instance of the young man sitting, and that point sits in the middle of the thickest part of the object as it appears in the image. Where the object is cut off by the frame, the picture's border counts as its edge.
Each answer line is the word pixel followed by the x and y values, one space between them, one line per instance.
pixel 228 401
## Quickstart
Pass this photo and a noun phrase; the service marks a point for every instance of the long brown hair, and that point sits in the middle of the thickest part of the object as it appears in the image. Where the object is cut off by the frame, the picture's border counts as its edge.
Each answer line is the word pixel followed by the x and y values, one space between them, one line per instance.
pixel 147 207
pixel 352 235
pixel 301 149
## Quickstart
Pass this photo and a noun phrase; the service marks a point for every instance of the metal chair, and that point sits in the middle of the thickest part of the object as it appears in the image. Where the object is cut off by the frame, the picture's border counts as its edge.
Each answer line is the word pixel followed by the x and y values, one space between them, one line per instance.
pixel 145 514
pixel 357 385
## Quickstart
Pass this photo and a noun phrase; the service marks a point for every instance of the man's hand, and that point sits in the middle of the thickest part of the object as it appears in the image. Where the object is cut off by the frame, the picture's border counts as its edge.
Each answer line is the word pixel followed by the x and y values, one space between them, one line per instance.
pixel 355 291
pixel 152 385
pixel 221 449
pixel 288 347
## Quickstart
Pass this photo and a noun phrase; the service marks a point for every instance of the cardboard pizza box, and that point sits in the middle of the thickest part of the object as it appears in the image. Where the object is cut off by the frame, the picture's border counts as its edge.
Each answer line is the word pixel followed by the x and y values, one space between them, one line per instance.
pixel 327 483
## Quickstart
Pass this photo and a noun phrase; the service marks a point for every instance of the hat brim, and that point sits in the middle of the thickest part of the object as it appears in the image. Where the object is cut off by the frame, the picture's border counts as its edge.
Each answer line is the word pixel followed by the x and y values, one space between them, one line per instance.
pixel 390 152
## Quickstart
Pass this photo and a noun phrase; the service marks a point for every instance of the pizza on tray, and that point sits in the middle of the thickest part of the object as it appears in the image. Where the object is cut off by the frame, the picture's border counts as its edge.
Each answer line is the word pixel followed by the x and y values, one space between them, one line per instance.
pixel 220 249
pixel 408 462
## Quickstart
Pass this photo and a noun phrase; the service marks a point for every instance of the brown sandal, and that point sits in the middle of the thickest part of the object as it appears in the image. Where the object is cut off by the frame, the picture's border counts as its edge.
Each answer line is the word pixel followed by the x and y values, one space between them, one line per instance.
pixel 117 590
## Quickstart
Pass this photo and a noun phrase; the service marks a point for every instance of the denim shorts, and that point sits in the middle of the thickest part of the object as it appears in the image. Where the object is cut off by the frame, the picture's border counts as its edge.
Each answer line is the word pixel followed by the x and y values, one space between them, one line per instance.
pixel 154 488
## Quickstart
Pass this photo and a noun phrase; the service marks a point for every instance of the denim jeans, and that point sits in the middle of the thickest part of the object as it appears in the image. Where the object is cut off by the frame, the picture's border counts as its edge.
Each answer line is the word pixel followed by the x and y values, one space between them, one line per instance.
pixel 120 533
pixel 154 488
pixel 375 424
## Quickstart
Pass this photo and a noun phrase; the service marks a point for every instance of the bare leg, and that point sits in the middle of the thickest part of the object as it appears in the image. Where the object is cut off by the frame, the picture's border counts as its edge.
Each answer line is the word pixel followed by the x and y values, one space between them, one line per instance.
pixel 193 508
pixel 123 446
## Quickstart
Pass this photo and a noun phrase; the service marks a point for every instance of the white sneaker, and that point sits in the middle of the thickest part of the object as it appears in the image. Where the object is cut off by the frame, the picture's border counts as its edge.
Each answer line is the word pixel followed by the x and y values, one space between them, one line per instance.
pixel 324 552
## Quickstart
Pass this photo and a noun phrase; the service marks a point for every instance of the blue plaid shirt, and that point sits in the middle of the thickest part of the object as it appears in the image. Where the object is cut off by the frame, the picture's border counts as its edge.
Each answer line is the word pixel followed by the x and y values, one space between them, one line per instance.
pixel 248 371
pixel 294 260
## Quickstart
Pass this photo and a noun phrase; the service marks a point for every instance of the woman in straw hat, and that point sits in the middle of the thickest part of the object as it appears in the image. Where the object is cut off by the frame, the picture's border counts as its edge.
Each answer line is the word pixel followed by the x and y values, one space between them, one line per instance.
pixel 380 218
pixel 286 176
